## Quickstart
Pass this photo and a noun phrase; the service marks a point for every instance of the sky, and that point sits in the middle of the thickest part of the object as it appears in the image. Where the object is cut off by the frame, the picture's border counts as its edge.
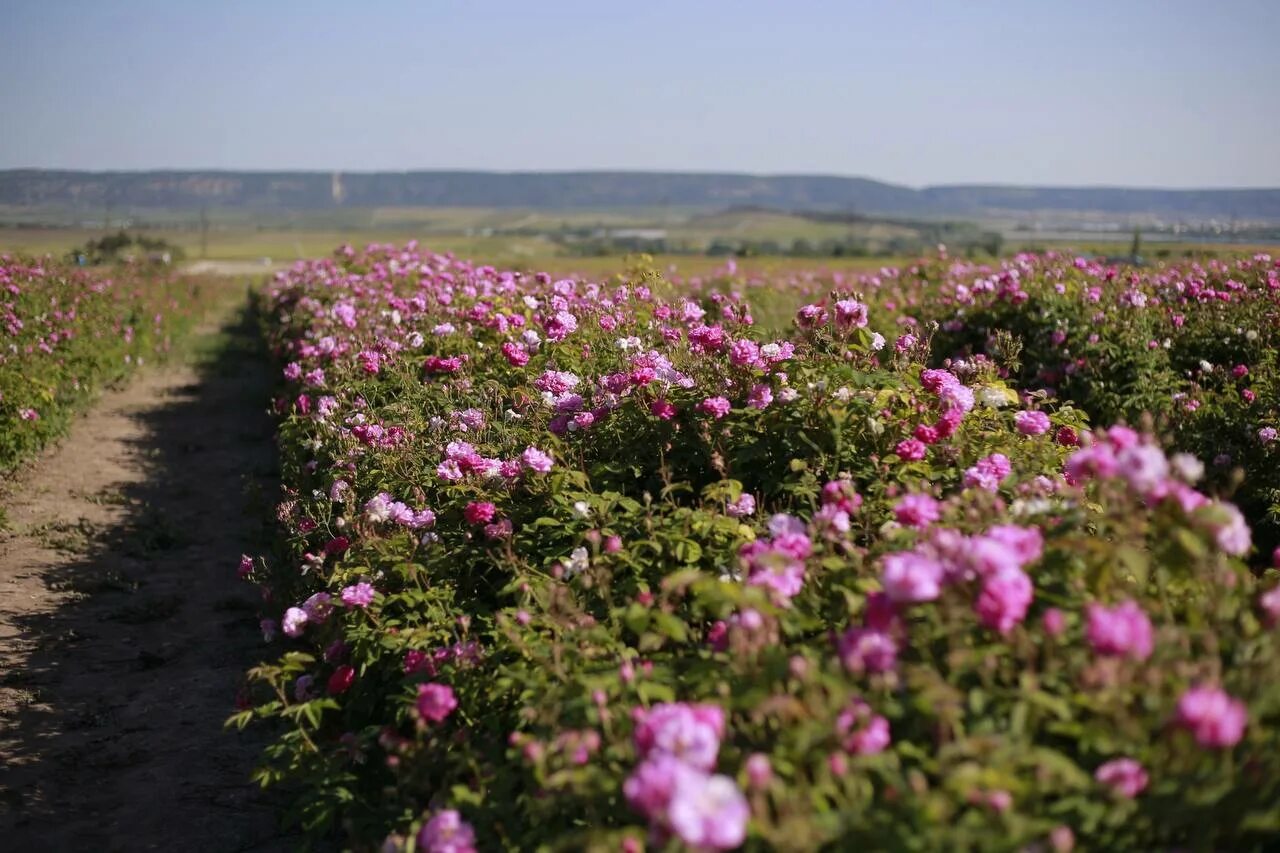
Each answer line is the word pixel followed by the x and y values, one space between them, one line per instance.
pixel 1172 93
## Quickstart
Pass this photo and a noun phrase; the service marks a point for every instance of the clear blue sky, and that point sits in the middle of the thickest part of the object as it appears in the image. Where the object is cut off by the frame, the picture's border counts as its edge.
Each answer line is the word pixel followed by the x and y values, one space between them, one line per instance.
pixel 1138 92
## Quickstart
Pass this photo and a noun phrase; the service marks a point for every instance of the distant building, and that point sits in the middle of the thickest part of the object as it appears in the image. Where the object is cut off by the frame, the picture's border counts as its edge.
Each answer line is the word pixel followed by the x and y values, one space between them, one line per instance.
pixel 638 233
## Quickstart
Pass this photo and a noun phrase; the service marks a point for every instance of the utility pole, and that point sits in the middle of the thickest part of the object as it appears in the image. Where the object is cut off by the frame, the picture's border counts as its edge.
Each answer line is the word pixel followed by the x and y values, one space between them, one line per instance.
pixel 204 231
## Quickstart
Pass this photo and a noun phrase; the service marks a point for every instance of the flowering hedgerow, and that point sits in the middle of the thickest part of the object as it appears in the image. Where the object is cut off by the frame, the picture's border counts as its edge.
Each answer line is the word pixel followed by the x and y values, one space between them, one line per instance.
pixel 1197 346
pixel 66 332
pixel 605 566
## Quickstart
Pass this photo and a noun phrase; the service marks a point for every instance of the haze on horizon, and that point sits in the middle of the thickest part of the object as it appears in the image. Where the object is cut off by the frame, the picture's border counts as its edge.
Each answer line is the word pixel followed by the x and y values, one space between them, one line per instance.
pixel 1153 94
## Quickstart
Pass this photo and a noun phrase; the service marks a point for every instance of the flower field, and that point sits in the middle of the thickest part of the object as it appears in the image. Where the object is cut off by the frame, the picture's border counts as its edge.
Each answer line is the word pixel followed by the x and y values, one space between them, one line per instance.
pixel 1196 347
pixel 68 332
pixel 586 565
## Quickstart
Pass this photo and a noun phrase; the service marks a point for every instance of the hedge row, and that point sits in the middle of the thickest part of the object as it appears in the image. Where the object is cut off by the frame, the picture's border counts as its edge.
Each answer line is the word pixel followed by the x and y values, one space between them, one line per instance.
pixel 571 565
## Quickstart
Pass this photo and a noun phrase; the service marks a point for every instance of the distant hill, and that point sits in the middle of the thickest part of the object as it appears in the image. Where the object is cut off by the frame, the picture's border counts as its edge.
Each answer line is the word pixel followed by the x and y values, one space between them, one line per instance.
pixel 37 188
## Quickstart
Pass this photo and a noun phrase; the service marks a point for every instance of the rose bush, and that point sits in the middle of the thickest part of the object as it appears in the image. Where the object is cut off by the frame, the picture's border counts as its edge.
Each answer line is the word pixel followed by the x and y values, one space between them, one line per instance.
pixel 68 332
pixel 577 565
pixel 1197 346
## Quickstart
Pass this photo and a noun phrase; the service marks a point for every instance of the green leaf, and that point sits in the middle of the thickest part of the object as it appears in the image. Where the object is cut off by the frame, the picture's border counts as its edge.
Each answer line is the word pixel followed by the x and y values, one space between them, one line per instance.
pixel 670 626
pixel 687 551
pixel 636 618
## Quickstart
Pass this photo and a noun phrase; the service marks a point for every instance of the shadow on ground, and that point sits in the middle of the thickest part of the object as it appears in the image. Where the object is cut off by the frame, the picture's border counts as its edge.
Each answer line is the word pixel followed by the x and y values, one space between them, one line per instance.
pixel 111 733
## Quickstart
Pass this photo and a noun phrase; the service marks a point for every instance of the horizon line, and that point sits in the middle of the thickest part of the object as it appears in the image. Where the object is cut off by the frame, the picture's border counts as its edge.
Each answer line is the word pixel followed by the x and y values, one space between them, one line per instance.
pixel 634 171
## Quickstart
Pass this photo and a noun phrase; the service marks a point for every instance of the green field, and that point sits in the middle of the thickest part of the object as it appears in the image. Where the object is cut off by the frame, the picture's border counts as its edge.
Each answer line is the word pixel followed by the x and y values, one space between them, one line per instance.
pixel 586 242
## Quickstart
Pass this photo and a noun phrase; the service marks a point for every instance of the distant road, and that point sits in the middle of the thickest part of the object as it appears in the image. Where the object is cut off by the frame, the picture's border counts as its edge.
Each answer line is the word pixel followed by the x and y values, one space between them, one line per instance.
pixel 232 267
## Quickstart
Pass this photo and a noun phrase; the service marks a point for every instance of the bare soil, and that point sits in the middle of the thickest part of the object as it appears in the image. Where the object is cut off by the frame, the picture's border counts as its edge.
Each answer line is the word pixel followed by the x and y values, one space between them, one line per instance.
pixel 123 630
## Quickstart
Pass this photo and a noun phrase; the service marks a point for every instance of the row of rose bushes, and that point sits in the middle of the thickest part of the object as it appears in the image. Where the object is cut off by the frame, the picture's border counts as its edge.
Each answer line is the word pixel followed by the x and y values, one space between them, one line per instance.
pixel 1196 345
pixel 569 565
pixel 66 332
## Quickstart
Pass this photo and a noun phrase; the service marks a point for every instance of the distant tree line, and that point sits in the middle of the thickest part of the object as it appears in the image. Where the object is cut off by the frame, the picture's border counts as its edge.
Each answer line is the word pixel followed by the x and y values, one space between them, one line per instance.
pixel 965 242
pixel 123 246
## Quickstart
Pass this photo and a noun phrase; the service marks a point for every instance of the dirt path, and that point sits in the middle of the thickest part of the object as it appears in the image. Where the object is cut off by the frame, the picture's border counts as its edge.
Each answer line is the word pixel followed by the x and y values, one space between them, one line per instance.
pixel 123 632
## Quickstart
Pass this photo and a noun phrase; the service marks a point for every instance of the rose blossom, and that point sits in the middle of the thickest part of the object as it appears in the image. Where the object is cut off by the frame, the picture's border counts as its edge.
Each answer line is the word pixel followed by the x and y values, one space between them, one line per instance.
pixel 688 732
pixel 911 577
pixel 1120 631
pixel 358 595
pixel 446 832
pixel 435 701
pixel 708 812
pixel 1031 423
pixel 1006 595
pixel 1124 776
pixel 479 512
pixel 1215 718
pixel 916 510
pixel 294 621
